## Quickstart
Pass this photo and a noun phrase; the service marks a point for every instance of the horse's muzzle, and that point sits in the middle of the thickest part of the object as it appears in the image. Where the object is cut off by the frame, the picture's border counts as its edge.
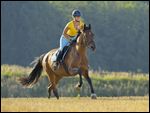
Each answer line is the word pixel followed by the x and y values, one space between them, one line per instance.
pixel 92 46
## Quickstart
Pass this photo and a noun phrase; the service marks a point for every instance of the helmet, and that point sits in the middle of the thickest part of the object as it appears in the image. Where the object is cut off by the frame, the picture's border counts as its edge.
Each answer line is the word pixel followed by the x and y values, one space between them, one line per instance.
pixel 76 13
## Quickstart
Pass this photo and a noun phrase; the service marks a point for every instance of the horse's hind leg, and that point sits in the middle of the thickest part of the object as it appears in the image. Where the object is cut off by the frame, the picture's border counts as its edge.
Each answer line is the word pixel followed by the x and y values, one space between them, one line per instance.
pixel 50 78
pixel 55 93
pixel 49 90
pixel 56 79
pixel 52 86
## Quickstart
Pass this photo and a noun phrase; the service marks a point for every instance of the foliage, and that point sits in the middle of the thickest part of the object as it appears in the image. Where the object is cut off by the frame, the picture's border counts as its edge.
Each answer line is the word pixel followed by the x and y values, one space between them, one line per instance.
pixel 121 30
pixel 105 84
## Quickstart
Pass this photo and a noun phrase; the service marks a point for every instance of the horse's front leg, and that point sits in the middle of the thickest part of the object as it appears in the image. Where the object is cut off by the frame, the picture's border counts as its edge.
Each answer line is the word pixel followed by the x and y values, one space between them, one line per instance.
pixel 74 71
pixel 79 84
pixel 86 75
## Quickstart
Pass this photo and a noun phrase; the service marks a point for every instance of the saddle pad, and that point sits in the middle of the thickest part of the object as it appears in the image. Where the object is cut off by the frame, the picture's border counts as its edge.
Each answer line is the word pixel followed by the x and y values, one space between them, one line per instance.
pixel 54 56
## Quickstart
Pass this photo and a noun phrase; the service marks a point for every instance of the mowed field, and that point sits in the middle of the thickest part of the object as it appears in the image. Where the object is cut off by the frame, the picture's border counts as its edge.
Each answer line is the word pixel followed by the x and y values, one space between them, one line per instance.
pixel 76 104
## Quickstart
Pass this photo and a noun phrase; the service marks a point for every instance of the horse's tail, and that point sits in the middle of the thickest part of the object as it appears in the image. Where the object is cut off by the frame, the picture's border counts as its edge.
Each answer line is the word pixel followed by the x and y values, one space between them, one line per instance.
pixel 35 74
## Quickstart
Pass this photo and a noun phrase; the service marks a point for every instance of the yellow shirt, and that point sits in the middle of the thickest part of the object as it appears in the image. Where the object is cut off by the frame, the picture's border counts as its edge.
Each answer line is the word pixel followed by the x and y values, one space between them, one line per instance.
pixel 72 30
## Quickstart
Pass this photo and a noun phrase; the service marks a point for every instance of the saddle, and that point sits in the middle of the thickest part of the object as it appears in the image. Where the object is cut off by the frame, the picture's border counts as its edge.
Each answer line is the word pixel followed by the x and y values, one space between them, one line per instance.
pixel 59 56
pixel 63 53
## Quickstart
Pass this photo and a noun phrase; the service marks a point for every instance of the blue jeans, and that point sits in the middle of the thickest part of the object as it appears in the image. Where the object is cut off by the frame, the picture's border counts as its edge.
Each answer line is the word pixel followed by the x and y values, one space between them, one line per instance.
pixel 64 42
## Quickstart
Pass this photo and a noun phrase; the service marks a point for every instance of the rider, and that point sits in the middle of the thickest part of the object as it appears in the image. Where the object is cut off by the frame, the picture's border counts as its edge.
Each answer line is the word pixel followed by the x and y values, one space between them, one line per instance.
pixel 69 33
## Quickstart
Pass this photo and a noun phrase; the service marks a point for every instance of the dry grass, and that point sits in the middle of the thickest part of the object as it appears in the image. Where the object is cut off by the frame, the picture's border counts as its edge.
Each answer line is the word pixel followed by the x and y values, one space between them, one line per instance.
pixel 76 104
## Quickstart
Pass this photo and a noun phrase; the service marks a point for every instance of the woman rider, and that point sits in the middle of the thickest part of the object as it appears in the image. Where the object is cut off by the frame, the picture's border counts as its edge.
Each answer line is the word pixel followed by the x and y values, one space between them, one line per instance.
pixel 69 33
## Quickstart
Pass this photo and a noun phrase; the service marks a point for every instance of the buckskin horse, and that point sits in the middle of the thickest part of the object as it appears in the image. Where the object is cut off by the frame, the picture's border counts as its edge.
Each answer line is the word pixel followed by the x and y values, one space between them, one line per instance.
pixel 75 62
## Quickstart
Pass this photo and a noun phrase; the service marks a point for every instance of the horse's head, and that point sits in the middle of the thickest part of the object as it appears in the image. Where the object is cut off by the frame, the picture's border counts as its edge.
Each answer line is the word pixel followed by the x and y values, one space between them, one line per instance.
pixel 88 37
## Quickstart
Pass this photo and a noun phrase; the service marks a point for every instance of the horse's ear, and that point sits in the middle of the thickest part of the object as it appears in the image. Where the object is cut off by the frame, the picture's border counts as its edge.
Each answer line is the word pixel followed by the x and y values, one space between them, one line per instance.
pixel 89 26
pixel 84 26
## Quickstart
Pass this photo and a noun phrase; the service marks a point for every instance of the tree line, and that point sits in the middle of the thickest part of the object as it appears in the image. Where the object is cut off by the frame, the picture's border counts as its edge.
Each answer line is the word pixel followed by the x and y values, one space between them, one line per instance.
pixel 121 28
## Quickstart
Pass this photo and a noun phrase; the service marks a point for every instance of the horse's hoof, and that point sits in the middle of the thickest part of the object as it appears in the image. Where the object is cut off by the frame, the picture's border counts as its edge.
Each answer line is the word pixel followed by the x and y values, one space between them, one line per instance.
pixel 77 88
pixel 57 98
pixel 93 96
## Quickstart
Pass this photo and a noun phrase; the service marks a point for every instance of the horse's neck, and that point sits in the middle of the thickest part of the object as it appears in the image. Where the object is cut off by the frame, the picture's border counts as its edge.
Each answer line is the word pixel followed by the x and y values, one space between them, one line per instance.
pixel 80 47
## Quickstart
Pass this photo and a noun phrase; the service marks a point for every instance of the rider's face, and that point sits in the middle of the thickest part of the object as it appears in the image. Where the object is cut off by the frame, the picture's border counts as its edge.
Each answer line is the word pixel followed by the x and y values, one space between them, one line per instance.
pixel 77 18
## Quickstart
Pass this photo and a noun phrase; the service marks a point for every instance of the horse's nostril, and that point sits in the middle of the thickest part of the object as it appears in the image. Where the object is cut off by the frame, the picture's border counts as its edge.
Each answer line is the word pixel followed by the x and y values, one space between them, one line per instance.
pixel 93 47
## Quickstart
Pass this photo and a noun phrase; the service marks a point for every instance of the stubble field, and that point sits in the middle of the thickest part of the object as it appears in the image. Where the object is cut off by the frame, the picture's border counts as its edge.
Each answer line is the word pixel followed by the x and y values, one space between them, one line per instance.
pixel 76 104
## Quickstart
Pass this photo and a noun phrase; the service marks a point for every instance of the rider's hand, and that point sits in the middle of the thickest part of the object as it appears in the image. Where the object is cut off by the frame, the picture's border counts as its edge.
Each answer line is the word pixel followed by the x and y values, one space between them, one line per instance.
pixel 70 40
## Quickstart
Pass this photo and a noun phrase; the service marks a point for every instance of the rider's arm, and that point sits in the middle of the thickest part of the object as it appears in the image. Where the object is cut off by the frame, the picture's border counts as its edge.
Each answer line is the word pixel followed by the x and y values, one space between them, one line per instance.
pixel 65 33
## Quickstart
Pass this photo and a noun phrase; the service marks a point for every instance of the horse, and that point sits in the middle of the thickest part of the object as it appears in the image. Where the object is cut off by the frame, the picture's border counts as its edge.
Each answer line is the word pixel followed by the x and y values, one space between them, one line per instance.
pixel 75 62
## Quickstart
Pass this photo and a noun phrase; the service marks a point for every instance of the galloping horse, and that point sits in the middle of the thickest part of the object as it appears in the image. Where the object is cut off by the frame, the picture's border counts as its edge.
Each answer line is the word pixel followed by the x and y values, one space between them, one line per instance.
pixel 75 62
